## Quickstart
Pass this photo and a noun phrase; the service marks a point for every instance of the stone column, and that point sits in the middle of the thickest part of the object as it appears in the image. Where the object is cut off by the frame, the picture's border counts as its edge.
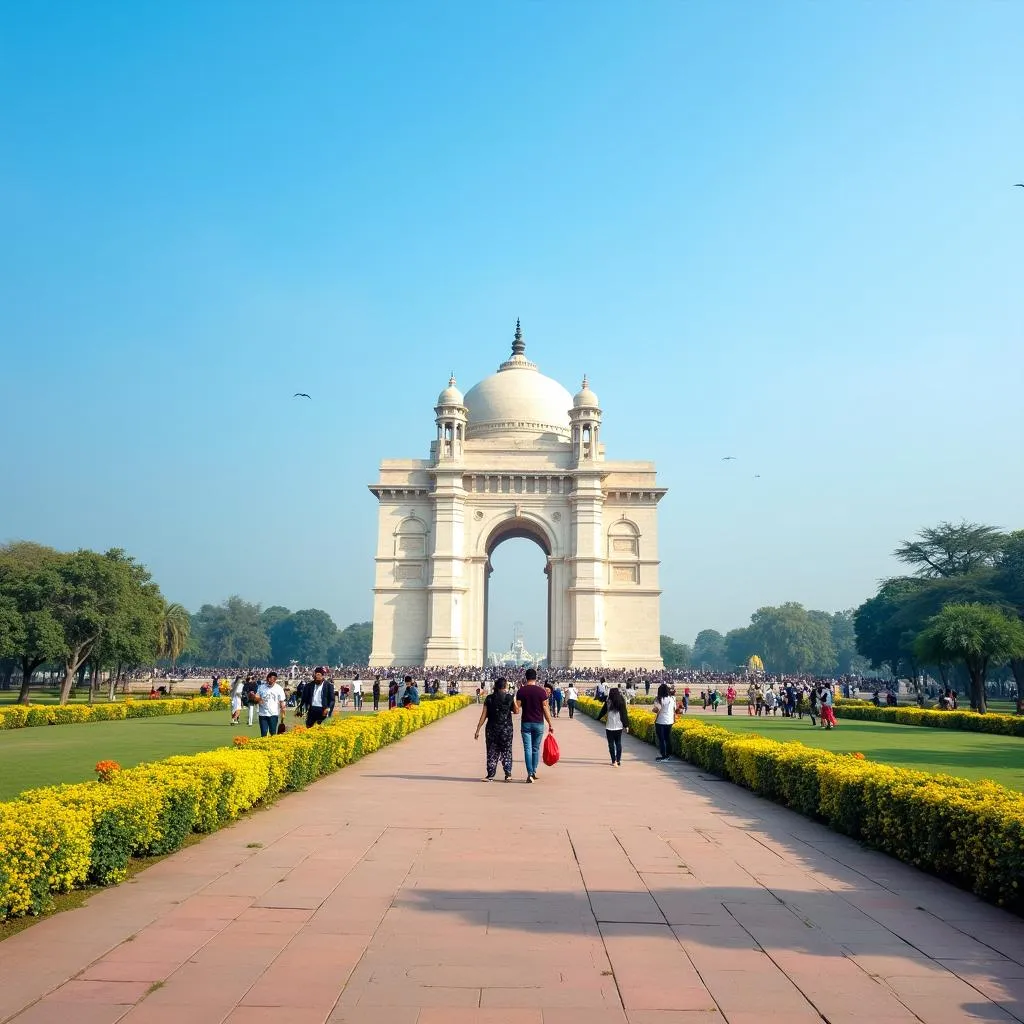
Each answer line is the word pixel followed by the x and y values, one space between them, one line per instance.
pixel 588 646
pixel 447 588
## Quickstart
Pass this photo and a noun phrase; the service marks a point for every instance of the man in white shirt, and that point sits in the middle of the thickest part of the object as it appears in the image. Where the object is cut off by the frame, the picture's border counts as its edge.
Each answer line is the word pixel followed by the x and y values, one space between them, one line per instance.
pixel 271 698
pixel 357 693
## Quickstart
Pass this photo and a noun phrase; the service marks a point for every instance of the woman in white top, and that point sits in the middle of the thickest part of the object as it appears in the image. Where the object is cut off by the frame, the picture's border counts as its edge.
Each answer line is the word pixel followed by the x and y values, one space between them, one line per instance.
pixel 571 696
pixel 665 709
pixel 236 699
pixel 618 720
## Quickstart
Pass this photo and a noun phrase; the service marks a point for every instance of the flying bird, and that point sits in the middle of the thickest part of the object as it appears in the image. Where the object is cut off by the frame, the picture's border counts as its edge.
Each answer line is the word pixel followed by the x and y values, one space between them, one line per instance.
pixel 1018 184
pixel 301 394
pixel 728 458
pixel 757 476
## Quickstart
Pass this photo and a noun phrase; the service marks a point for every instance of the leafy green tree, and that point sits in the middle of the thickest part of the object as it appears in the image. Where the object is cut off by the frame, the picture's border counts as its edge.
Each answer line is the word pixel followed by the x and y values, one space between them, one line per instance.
pixel 978 635
pixel 674 654
pixel 96 594
pixel 790 640
pixel 353 645
pixel 304 636
pixel 134 634
pixel 844 643
pixel 709 649
pixel 28 581
pixel 740 644
pixel 231 633
pixel 1009 585
pixel 271 616
pixel 951 549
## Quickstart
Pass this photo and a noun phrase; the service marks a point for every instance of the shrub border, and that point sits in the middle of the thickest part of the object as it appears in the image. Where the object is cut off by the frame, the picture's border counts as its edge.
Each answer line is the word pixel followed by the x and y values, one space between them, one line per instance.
pixel 26 716
pixel 970 833
pixel 59 838
pixel 966 721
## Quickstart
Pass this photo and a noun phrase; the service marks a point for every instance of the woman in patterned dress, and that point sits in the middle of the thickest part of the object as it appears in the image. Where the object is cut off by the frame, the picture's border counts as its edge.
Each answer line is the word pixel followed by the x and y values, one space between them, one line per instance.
pixel 498 709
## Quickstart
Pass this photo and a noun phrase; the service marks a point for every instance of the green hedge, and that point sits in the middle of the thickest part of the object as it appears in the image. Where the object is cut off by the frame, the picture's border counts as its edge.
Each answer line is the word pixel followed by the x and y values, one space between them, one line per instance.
pixel 968 721
pixel 968 833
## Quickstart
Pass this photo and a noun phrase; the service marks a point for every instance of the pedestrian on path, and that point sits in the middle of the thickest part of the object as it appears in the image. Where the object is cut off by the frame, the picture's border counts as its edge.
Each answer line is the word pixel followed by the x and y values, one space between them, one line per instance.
pixel 532 700
pixel 271 699
pixel 571 696
pixel 616 716
pixel 665 710
pixel 828 718
pixel 497 712
pixel 376 694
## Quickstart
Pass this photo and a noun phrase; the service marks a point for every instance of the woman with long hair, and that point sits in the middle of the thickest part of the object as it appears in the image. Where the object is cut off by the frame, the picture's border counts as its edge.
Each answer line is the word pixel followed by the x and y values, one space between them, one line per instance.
pixel 616 716
pixel 497 712
pixel 665 710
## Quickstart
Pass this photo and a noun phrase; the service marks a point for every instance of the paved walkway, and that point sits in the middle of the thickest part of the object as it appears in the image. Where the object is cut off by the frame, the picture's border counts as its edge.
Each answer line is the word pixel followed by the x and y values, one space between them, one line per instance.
pixel 404 891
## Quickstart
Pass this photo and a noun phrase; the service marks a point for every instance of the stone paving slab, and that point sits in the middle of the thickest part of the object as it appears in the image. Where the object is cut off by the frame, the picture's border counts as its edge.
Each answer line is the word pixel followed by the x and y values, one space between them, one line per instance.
pixel 402 890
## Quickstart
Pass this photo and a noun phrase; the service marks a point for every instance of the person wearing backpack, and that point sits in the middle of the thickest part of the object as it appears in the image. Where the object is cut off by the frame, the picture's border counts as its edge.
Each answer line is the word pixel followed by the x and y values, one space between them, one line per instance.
pixel 616 716
pixel 665 711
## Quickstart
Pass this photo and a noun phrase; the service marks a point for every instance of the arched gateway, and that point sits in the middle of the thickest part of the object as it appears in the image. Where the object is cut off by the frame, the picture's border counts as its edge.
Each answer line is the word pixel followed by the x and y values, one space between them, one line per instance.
pixel 517 457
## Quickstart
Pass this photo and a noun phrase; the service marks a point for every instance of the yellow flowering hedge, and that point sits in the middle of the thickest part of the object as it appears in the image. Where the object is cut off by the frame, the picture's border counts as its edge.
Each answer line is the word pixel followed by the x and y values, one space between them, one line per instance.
pixel 969 833
pixel 62 837
pixel 969 721
pixel 22 716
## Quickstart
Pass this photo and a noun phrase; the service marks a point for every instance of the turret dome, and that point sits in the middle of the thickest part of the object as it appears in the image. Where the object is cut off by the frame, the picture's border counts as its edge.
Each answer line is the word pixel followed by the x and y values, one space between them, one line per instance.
pixel 585 398
pixel 451 394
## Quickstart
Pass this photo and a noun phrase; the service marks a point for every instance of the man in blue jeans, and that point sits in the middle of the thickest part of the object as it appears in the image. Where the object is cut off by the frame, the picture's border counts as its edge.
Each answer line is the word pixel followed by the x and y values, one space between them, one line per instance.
pixel 532 700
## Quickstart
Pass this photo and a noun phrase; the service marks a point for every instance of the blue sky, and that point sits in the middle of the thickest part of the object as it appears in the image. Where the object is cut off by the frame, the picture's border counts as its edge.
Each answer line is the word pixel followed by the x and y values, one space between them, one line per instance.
pixel 784 231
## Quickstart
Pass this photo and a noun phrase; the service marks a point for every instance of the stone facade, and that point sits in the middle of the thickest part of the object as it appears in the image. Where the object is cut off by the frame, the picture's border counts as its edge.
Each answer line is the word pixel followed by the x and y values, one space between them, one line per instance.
pixel 517 457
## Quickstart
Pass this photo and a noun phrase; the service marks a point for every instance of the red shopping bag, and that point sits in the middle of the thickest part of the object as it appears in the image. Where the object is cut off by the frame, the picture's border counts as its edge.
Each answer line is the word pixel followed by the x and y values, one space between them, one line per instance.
pixel 550 751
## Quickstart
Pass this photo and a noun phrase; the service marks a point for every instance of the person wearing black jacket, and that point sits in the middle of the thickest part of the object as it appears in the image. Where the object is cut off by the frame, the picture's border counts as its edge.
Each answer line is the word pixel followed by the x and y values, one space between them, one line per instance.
pixel 317 698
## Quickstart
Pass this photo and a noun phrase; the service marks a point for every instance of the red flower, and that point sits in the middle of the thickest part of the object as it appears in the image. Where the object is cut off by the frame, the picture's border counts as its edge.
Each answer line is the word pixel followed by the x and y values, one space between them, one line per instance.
pixel 106 770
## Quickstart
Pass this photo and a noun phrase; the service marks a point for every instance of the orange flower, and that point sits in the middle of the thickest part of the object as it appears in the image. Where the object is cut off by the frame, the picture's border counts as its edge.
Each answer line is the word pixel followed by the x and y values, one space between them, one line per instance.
pixel 106 770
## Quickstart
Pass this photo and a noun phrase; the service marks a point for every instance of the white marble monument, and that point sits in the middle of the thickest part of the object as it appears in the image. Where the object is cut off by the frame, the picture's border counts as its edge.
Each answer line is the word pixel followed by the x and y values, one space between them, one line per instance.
pixel 518 456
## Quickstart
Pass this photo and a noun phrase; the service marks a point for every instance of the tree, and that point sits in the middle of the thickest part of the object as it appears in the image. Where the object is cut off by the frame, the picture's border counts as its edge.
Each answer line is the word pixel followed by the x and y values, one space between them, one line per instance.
pixel 231 633
pixel 271 616
pixel 1008 582
pixel 175 630
pixel 790 640
pixel 844 643
pixel 709 649
pixel 134 634
pixel 96 594
pixel 353 645
pixel 951 549
pixel 674 654
pixel 304 636
pixel 739 645
pixel 28 581
pixel 978 635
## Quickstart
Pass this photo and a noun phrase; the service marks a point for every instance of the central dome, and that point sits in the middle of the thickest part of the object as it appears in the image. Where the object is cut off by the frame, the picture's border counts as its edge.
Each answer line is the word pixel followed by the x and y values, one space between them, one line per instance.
pixel 518 399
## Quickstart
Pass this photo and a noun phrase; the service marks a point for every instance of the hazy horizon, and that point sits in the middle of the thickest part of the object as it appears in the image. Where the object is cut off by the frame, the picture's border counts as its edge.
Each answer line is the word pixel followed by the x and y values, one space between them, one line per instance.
pixel 786 233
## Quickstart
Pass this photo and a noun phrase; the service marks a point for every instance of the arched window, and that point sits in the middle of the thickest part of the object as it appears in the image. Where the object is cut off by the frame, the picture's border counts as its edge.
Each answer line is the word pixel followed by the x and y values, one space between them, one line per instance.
pixel 411 538
pixel 623 552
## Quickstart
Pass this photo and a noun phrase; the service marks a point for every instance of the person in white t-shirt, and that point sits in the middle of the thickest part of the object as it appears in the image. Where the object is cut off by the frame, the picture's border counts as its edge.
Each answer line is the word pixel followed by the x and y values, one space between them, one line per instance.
pixel 271 698
pixel 357 693
pixel 665 709
pixel 571 696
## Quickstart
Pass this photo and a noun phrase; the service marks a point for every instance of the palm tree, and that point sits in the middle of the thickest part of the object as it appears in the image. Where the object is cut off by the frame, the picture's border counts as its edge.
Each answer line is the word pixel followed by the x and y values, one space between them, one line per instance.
pixel 175 629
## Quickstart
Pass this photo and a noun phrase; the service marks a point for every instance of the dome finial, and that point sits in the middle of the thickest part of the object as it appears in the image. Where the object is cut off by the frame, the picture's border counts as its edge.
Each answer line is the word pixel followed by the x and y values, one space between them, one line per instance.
pixel 451 380
pixel 586 383
pixel 518 345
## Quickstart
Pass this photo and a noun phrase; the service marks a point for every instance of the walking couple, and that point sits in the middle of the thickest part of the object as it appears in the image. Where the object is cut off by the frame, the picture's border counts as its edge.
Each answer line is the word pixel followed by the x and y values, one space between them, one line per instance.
pixel 496 720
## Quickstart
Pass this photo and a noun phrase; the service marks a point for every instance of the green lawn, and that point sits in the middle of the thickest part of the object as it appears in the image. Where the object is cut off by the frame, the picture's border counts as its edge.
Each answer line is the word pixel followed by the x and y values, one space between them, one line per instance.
pixel 46 755
pixel 968 754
